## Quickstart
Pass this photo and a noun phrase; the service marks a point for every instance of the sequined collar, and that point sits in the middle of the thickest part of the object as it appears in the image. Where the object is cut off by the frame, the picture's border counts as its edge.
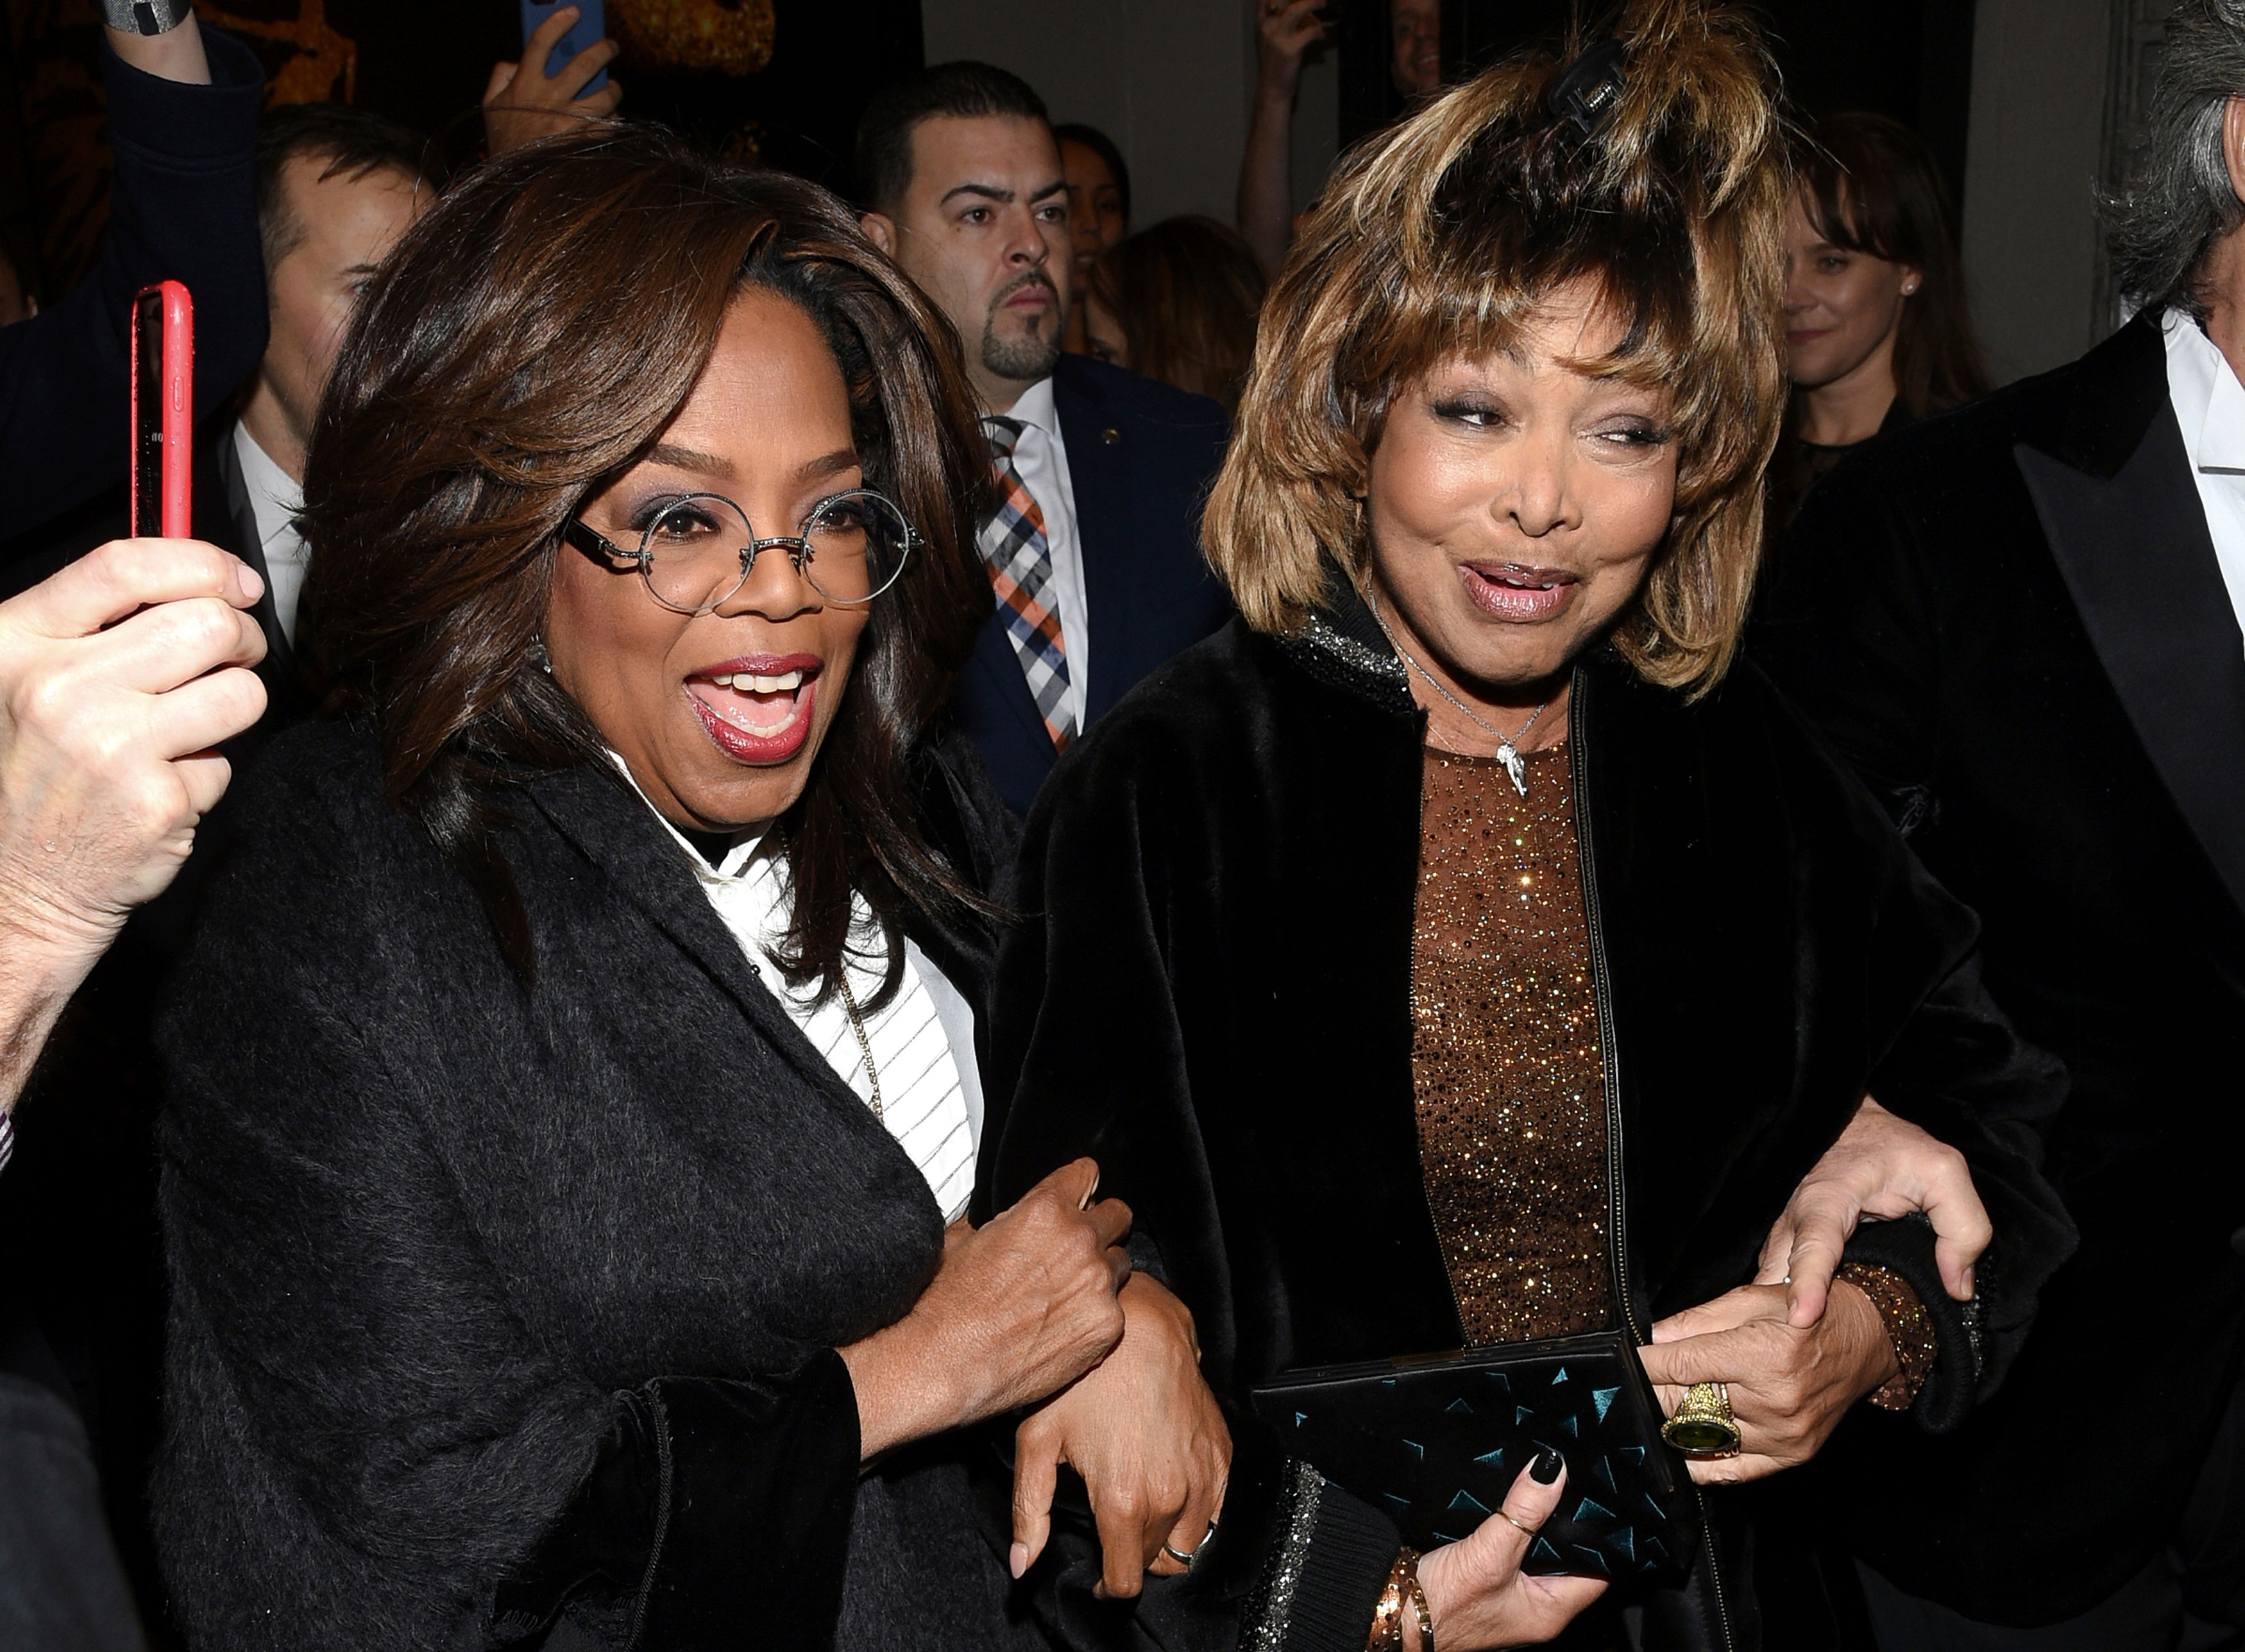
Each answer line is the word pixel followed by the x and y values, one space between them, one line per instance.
pixel 1341 643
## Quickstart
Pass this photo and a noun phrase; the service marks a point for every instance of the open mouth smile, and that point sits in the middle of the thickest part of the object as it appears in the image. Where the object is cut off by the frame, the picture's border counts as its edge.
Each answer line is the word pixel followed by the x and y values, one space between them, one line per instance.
pixel 757 710
pixel 1513 590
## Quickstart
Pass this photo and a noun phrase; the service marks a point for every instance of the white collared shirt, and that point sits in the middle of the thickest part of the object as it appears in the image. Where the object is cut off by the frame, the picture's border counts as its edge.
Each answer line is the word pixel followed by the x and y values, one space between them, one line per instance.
pixel 274 499
pixel 2210 405
pixel 923 1040
pixel 1042 457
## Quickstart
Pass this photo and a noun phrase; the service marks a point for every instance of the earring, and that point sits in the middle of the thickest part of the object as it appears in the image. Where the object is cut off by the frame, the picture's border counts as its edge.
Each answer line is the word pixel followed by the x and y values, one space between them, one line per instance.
pixel 538 657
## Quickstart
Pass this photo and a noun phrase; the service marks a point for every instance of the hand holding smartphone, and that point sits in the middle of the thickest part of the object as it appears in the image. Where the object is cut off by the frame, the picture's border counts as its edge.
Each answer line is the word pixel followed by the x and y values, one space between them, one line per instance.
pixel 163 396
pixel 590 29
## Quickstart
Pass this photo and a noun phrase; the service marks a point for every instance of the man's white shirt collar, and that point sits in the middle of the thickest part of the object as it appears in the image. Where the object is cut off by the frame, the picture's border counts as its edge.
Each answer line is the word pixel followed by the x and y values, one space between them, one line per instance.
pixel 1034 406
pixel 2209 402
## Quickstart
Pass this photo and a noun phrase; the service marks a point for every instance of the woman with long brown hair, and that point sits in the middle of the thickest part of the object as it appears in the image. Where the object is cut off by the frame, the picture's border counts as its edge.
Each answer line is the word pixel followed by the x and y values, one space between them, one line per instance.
pixel 1457 961
pixel 1878 325
pixel 575 1082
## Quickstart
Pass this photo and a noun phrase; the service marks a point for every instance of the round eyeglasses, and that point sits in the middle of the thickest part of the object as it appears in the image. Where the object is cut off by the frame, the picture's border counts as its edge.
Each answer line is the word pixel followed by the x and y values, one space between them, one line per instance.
pixel 696 551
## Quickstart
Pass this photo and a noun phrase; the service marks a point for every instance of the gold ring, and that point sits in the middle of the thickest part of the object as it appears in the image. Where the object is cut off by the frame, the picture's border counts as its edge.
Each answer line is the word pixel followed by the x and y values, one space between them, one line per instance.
pixel 1703 1425
pixel 1525 1531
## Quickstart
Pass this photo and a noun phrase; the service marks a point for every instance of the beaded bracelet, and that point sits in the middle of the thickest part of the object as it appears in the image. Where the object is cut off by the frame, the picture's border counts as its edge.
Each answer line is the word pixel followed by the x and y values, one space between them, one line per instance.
pixel 1909 1327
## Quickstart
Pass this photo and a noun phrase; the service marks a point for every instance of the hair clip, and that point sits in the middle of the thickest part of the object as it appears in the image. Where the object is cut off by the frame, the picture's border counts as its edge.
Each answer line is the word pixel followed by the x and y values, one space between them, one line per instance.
pixel 1588 88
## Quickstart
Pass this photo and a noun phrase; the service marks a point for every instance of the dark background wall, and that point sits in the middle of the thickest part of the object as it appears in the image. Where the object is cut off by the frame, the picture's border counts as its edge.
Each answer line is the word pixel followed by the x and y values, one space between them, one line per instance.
pixel 2030 103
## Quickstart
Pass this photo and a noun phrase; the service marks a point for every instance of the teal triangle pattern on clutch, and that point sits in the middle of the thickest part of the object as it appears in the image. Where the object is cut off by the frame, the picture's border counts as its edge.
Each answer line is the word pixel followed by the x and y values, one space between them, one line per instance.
pixel 1300 1418
pixel 1597 1559
pixel 1603 1399
pixel 1635 1453
pixel 1561 1378
pixel 1399 1504
pixel 1542 1550
pixel 1460 1407
pixel 1586 1510
pixel 1521 1413
pixel 1572 1426
pixel 1624 1539
pixel 1495 1459
pixel 1417 1450
pixel 1500 1380
pixel 1603 1470
pixel 1466 1503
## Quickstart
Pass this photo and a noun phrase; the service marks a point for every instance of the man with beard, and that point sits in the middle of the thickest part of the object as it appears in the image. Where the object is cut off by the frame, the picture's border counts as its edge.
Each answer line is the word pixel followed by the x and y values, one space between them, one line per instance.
pixel 1093 537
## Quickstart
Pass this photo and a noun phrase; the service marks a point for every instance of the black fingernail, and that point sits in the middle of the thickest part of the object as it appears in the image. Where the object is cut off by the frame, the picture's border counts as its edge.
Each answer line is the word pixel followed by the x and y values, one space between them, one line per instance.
pixel 1546 1468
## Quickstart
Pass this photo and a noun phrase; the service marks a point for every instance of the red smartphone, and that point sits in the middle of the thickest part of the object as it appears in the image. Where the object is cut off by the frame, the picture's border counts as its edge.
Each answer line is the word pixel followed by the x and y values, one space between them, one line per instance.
pixel 163 412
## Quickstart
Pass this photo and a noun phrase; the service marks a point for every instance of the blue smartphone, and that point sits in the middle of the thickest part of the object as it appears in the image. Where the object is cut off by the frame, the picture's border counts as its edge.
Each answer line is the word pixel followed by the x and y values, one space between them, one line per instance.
pixel 591 27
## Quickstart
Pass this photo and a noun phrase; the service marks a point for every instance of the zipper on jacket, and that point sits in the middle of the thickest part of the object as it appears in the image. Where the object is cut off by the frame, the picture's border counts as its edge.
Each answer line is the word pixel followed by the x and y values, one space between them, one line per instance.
pixel 1610 1059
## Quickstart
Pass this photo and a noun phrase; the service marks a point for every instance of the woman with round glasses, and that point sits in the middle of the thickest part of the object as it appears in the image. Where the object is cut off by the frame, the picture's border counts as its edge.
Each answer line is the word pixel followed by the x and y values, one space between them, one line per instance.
pixel 576 1080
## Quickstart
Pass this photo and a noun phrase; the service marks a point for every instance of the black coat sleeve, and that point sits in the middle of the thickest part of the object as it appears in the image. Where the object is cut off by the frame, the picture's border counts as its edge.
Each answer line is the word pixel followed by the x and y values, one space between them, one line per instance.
pixel 1956 1068
pixel 183 206
pixel 368 1445
pixel 1089 1057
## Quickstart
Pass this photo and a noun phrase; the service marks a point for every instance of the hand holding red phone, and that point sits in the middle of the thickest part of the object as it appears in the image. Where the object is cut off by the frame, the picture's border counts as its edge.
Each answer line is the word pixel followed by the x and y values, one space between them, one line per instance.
pixel 118 678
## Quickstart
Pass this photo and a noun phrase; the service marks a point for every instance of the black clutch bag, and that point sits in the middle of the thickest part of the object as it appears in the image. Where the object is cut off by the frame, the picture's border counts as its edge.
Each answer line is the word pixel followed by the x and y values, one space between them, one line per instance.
pixel 1437 1443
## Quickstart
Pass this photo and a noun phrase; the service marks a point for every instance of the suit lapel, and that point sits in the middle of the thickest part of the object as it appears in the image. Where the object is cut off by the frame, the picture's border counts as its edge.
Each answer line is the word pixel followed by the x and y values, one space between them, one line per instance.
pixel 2134 550
pixel 1098 470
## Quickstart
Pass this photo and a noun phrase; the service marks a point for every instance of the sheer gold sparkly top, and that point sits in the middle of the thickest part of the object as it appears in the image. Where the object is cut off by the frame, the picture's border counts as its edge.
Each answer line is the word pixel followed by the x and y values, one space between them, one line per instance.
pixel 1504 1051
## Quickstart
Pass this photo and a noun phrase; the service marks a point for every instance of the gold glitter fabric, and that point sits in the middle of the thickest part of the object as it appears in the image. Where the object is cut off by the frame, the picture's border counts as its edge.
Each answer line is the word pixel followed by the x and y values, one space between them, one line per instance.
pixel 1505 1056
pixel 1909 1328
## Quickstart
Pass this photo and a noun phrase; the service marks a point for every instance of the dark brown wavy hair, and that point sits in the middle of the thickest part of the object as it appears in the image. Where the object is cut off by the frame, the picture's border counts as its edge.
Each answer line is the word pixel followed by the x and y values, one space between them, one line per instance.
pixel 527 343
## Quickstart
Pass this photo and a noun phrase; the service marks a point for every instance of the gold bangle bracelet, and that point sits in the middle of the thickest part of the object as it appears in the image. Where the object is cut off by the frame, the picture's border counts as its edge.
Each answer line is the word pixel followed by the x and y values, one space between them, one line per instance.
pixel 1409 1561
pixel 1387 1616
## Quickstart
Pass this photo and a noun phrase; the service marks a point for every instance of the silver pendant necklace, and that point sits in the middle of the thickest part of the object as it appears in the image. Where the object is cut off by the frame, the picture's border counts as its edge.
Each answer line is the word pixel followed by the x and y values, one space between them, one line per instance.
pixel 1508 747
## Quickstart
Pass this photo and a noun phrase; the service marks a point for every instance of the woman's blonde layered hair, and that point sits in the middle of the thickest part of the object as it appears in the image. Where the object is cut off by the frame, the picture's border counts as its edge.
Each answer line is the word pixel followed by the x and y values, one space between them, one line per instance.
pixel 1437 239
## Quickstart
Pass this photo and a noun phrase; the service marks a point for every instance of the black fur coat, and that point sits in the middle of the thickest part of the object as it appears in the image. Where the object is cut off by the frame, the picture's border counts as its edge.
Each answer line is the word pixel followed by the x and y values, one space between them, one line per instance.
pixel 1213 1000
pixel 493 1306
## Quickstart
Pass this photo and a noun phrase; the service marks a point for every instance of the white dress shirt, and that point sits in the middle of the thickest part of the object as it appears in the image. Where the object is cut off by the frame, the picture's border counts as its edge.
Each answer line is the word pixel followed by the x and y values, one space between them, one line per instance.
pixel 1042 457
pixel 923 1040
pixel 2210 405
pixel 275 498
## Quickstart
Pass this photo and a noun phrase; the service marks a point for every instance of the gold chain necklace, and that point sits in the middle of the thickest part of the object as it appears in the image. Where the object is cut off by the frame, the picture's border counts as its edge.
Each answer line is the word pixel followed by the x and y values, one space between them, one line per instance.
pixel 864 1044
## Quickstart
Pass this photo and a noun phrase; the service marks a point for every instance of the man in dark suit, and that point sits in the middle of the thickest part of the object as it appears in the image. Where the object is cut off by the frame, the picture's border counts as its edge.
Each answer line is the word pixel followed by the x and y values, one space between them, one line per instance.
pixel 2021 622
pixel 1094 544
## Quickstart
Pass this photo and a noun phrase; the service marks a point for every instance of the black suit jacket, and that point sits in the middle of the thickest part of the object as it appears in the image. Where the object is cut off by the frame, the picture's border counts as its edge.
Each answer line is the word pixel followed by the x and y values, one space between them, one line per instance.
pixel 2010 619
pixel 1141 455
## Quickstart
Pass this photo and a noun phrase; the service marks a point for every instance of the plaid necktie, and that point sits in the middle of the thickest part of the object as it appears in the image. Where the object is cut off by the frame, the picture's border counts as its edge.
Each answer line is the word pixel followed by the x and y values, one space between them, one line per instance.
pixel 1021 569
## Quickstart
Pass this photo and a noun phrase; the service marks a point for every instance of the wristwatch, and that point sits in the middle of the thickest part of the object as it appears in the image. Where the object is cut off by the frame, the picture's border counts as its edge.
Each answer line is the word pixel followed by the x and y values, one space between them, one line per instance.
pixel 144 17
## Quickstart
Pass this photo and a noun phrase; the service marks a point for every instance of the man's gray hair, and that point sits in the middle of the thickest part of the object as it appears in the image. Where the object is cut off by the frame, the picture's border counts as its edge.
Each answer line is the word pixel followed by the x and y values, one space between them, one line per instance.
pixel 2180 201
